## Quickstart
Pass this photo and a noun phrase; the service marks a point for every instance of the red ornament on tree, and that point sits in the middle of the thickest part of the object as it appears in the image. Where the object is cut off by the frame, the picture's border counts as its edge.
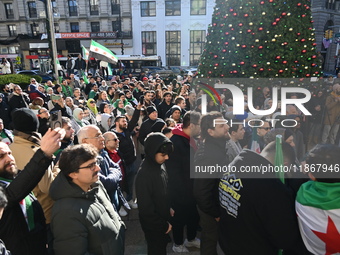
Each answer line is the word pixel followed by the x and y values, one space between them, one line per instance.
pixel 278 57
pixel 314 56
pixel 241 63
pixel 304 51
pixel 280 71
pixel 261 69
pixel 260 47
pixel 274 23
pixel 260 28
pixel 246 15
pixel 226 43
pixel 240 24
pixel 244 46
pixel 284 62
pixel 283 14
pixel 254 65
pixel 235 14
pixel 215 56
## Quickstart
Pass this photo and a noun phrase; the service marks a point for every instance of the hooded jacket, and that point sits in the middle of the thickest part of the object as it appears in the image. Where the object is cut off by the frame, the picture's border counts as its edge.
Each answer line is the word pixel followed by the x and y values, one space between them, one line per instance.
pixel 151 188
pixel 84 222
pixel 256 212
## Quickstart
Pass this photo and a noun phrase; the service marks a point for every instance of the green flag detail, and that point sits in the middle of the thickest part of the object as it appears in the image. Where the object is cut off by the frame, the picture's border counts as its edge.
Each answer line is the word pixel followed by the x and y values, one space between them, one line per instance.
pixel 98 51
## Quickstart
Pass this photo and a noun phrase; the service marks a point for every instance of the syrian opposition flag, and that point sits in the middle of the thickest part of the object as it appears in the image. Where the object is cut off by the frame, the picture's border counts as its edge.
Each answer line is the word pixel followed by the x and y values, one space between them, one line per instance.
pixel 318 210
pixel 98 51
pixel 255 146
pixel 86 53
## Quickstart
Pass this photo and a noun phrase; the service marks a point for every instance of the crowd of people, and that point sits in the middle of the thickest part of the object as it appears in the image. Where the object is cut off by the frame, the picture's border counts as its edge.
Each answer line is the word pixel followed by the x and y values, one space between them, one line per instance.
pixel 77 143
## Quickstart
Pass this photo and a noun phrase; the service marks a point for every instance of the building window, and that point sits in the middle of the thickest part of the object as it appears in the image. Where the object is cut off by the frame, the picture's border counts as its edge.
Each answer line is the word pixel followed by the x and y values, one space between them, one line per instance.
pixel 74 27
pixel 115 7
pixel 9 11
pixel 330 4
pixel 149 45
pixel 12 30
pixel 72 7
pixel 117 27
pixel 197 41
pixel 173 48
pixel 35 29
pixel 95 27
pixel 56 28
pixel 54 6
pixel 94 7
pixel 32 9
pixel 173 8
pixel 148 9
pixel 198 7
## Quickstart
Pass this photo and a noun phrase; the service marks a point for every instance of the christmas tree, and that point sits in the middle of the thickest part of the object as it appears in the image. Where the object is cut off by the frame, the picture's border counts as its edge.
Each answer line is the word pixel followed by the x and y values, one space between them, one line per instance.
pixel 262 38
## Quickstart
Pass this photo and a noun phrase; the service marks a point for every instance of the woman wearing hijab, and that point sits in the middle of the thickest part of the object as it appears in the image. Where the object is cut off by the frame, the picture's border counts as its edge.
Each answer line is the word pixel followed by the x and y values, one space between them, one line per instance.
pixel 106 114
pixel 119 107
pixel 91 104
pixel 78 120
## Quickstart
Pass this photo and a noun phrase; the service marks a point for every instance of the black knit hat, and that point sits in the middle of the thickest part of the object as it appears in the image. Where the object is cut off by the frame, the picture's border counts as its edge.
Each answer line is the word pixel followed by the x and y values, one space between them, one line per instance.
pixel 150 109
pixel 158 125
pixel 25 120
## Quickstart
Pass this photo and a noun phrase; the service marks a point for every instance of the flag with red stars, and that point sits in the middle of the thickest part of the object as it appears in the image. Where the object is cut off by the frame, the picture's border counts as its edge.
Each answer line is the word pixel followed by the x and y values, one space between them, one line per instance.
pixel 99 51
pixel 318 211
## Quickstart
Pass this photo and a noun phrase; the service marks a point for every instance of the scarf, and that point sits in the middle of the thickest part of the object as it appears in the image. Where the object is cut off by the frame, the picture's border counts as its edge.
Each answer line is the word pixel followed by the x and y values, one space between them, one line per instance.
pixel 92 108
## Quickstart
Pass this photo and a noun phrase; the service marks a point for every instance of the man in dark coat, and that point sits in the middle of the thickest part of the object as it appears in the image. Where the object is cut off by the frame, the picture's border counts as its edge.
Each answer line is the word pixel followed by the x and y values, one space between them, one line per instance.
pixel 151 191
pixel 180 185
pixel 146 127
pixel 24 230
pixel 124 131
pixel 212 152
pixel 19 99
pixel 258 209
pixel 165 105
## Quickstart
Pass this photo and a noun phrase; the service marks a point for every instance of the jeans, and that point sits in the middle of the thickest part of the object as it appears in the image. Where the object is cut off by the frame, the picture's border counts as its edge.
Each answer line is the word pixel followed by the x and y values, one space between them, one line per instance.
pixel 130 173
pixel 329 133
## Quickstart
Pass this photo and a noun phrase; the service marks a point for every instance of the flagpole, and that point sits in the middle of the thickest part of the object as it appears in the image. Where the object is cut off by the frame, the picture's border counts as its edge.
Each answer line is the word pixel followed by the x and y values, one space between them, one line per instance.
pixel 51 35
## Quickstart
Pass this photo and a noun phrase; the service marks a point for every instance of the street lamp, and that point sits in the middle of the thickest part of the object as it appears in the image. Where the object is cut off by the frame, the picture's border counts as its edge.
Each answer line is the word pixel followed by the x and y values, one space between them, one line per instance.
pixel 121 25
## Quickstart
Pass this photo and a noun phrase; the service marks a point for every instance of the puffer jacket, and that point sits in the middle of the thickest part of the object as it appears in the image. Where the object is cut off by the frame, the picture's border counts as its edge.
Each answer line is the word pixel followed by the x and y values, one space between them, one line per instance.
pixel 84 222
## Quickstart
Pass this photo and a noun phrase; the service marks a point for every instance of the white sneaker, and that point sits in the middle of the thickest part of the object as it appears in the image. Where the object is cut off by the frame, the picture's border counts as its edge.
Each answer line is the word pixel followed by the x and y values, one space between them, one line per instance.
pixel 122 212
pixel 179 248
pixel 193 243
pixel 132 204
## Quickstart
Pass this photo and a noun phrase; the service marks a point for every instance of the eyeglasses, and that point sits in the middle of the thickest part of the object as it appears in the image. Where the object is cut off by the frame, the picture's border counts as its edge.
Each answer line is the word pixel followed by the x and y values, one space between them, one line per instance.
pixel 114 139
pixel 93 165
pixel 92 102
pixel 96 137
pixel 266 128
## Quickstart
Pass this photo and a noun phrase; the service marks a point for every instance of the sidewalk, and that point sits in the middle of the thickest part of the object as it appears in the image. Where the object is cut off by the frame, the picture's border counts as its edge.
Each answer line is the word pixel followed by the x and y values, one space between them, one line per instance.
pixel 134 237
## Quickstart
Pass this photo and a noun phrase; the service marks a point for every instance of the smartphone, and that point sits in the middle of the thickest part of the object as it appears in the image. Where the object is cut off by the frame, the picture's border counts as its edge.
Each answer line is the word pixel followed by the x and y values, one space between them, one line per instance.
pixel 55 97
pixel 141 100
pixel 55 119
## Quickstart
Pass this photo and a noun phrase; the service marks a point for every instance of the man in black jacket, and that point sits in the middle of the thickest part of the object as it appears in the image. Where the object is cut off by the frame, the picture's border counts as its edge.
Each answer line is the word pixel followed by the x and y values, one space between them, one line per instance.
pixel 151 191
pixel 165 105
pixel 180 185
pixel 146 127
pixel 257 211
pixel 124 131
pixel 19 99
pixel 23 228
pixel 212 152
